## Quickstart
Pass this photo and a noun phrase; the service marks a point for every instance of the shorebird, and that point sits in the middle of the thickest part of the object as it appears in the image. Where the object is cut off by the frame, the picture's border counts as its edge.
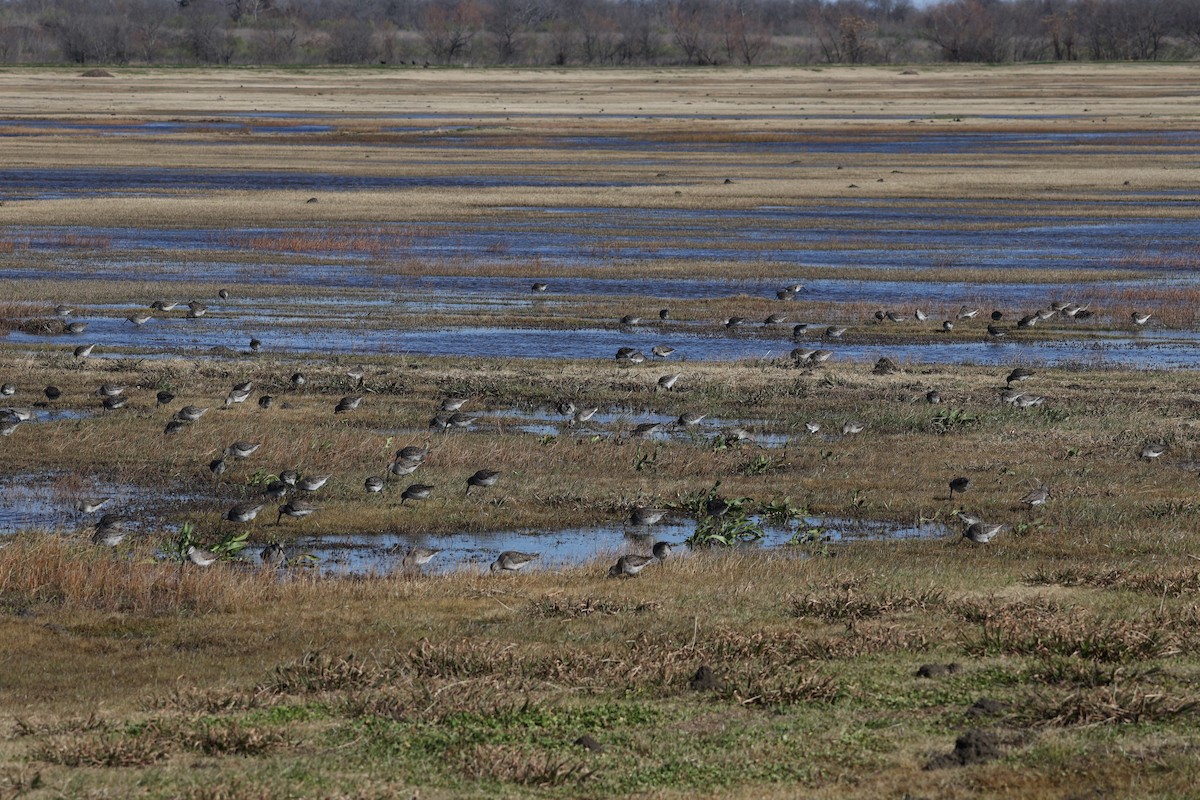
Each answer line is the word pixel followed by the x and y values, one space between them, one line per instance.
pixel 630 319
pixel 311 483
pixel 820 356
pixel 566 408
pixel 947 326
pixel 8 425
pixel 775 319
pixel 1011 396
pixel 733 322
pixel 835 332
pixel 584 415
pixel 645 516
pixel 1029 401
pixel 163 398
pixel 629 355
pixel 357 373
pixel 461 420
pixel 174 426
pixel 114 403
pixel 273 556
pixel 933 397
pixel 347 403
pixel 1152 450
pixel 451 404
pixel 196 310
pixel 266 401
pixel 83 351
pixel 920 315
pixel 794 288
pixel 412 452
pixel 417 557
pixel 139 319
pixel 982 532
pixel 19 414
pixel 966 312
pixel 812 427
pixel 799 329
pixel 295 508
pixel 996 332
pixel 416 491
pixel 1027 321
pixel 110 530
pixel 52 393
pixel 661 350
pixel 289 476
pixel 483 479
pixel 239 393
pixel 298 380
pixel 853 427
pixel 1140 318
pixel 75 327
pixel 646 429
pixel 223 294
pixel 276 490
pixel 110 537
pixel 373 484
pixel 63 311
pixel 109 390
pixel 667 382
pixel 404 466
pixel 661 550
pixel 190 413
pixel 201 557
pixel 540 287
pixel 664 313
pixel 163 305
pixel 255 345
pixel 90 505
pixel 960 485
pixel 997 316
pixel 8 389
pixel 512 560
pixel 1019 374
pixel 689 418
pixel 1037 497
pixel 891 316
pixel 242 449
pixel 1044 314
pixel 243 512
pixel 629 565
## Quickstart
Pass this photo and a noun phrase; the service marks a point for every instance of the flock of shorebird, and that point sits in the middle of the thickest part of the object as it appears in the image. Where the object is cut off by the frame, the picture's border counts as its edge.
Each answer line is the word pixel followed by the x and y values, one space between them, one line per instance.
pixel 111 528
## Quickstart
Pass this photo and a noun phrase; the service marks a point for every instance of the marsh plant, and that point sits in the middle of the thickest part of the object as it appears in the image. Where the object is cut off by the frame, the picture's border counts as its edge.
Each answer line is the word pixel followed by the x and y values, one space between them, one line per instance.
pixel 721 521
pixel 228 548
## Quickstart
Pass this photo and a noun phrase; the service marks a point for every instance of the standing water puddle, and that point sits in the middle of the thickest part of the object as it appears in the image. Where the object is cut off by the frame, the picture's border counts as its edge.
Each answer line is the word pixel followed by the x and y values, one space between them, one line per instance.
pixel 358 554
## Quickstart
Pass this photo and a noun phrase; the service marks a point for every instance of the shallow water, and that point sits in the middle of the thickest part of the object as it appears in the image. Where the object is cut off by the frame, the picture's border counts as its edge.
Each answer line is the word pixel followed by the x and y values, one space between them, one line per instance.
pixel 46 501
pixel 380 553
pixel 1137 349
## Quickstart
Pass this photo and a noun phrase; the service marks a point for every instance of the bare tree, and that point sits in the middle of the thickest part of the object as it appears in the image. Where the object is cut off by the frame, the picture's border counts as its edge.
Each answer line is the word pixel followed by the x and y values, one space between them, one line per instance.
pixel 967 30
pixel 449 28
pixel 693 26
pixel 745 35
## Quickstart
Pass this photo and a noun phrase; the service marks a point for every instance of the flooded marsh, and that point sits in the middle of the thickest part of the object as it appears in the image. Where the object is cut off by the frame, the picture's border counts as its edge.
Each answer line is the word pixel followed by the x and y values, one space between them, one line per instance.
pixel 329 398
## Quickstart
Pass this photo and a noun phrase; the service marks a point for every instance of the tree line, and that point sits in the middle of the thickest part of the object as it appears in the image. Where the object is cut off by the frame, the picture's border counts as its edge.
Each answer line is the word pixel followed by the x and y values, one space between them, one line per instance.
pixel 593 32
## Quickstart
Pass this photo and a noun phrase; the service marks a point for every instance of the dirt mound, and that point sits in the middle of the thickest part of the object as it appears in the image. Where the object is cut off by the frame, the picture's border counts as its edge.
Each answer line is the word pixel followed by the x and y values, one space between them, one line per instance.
pixel 973 747
pixel 937 670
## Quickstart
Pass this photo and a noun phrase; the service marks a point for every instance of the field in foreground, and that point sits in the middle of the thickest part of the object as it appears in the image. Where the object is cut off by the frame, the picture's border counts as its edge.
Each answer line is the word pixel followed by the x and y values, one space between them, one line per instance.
pixel 751 675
